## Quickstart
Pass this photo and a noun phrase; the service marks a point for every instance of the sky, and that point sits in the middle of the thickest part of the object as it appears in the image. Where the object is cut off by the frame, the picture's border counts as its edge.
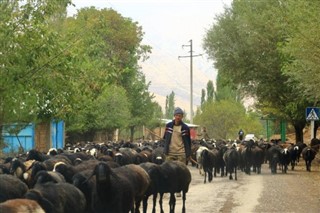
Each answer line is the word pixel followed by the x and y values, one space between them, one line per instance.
pixel 168 25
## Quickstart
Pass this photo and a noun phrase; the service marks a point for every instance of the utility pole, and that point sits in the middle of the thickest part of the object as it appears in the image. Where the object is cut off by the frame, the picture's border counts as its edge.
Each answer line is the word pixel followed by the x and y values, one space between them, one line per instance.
pixel 191 76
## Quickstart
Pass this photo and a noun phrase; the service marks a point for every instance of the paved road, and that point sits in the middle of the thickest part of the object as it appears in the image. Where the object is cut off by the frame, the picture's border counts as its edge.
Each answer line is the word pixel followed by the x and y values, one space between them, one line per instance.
pixel 297 191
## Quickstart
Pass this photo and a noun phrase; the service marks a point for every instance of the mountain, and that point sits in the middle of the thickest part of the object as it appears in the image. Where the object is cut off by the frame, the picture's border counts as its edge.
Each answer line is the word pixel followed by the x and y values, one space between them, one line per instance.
pixel 168 74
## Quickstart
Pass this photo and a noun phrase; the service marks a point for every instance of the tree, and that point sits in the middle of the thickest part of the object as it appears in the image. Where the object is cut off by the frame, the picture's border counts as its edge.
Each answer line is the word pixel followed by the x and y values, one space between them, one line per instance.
pixel 223 119
pixel 170 105
pixel 203 98
pixel 142 106
pixel 33 82
pixel 303 47
pixel 210 91
pixel 107 53
pixel 111 110
pixel 246 45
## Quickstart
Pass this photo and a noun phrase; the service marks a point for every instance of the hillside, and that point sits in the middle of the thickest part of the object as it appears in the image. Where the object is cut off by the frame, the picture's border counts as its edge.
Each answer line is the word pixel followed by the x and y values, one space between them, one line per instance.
pixel 167 74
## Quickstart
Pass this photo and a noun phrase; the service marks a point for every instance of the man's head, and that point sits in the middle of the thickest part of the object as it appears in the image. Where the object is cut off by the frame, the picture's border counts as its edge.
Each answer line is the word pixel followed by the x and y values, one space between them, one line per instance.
pixel 178 115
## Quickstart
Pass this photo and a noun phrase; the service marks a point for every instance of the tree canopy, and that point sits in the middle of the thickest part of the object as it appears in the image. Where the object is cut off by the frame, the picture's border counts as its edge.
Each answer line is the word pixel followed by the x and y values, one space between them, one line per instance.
pixel 252 45
pixel 59 67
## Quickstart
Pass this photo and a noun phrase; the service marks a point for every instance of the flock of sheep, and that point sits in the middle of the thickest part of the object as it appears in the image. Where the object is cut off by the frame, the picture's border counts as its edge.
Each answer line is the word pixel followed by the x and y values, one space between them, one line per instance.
pixel 119 177
pixel 92 178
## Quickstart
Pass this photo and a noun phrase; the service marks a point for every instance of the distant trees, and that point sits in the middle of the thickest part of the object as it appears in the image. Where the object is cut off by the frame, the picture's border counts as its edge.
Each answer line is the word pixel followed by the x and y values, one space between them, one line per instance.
pixel 170 105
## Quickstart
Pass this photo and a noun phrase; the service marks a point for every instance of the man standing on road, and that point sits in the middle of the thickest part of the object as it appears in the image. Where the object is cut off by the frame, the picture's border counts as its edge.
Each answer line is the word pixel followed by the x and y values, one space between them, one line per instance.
pixel 177 145
pixel 177 140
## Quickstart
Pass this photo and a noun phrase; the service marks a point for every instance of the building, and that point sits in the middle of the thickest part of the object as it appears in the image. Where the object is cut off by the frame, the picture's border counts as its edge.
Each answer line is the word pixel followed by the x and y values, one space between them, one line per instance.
pixel 42 137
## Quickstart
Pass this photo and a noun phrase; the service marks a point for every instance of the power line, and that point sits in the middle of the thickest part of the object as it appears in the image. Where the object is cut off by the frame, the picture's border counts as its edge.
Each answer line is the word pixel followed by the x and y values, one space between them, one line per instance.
pixel 191 76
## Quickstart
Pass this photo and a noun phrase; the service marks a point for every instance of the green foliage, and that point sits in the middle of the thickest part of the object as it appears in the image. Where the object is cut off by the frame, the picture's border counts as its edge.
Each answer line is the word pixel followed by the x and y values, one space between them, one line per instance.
pixel 83 69
pixel 223 119
pixel 111 109
pixel 303 47
pixel 203 97
pixel 257 47
pixel 33 83
pixel 170 105
pixel 210 91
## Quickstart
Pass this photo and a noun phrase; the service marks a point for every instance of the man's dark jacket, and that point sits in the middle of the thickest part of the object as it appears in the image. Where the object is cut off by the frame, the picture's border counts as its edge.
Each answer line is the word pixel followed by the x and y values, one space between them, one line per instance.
pixel 185 131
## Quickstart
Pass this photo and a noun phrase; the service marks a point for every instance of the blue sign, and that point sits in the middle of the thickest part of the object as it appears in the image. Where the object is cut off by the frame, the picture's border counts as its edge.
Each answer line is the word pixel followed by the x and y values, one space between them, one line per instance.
pixel 312 113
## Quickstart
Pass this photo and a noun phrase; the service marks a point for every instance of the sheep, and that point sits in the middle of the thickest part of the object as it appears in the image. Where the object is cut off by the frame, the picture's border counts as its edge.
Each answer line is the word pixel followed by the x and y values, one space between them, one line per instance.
pixel 115 191
pixel 143 156
pixel 208 160
pixel 58 197
pixel 158 155
pixel 19 167
pixel 308 154
pixel 34 154
pixel 77 155
pixel 175 177
pixel 140 180
pixel 125 156
pixel 21 206
pixel 88 188
pixel 48 176
pixel 11 187
pixel 68 170
pixel 198 157
pixel 154 171
pixel 231 157
pixel 4 169
pixel 285 160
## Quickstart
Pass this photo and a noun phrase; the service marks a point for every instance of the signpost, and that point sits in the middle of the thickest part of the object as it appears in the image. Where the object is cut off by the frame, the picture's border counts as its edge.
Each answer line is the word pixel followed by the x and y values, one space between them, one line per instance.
pixel 312 114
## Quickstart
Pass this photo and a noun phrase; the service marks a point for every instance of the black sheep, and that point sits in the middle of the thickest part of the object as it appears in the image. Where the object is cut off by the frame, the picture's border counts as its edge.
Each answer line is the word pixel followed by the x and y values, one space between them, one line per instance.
pixel 208 160
pixel 154 172
pixel 115 191
pixel 88 188
pixel 231 158
pixel 68 170
pixel 175 177
pixel 58 197
pixel 48 176
pixel 308 154
pixel 158 155
pixel 11 187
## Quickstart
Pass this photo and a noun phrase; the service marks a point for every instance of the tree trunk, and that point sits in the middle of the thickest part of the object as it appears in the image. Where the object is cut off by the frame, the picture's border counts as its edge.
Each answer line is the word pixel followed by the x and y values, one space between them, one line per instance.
pixel 298 126
pixel 131 133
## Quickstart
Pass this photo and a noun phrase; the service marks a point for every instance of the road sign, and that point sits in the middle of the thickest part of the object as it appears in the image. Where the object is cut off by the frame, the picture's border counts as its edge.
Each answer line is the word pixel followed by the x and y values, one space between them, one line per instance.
pixel 312 113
